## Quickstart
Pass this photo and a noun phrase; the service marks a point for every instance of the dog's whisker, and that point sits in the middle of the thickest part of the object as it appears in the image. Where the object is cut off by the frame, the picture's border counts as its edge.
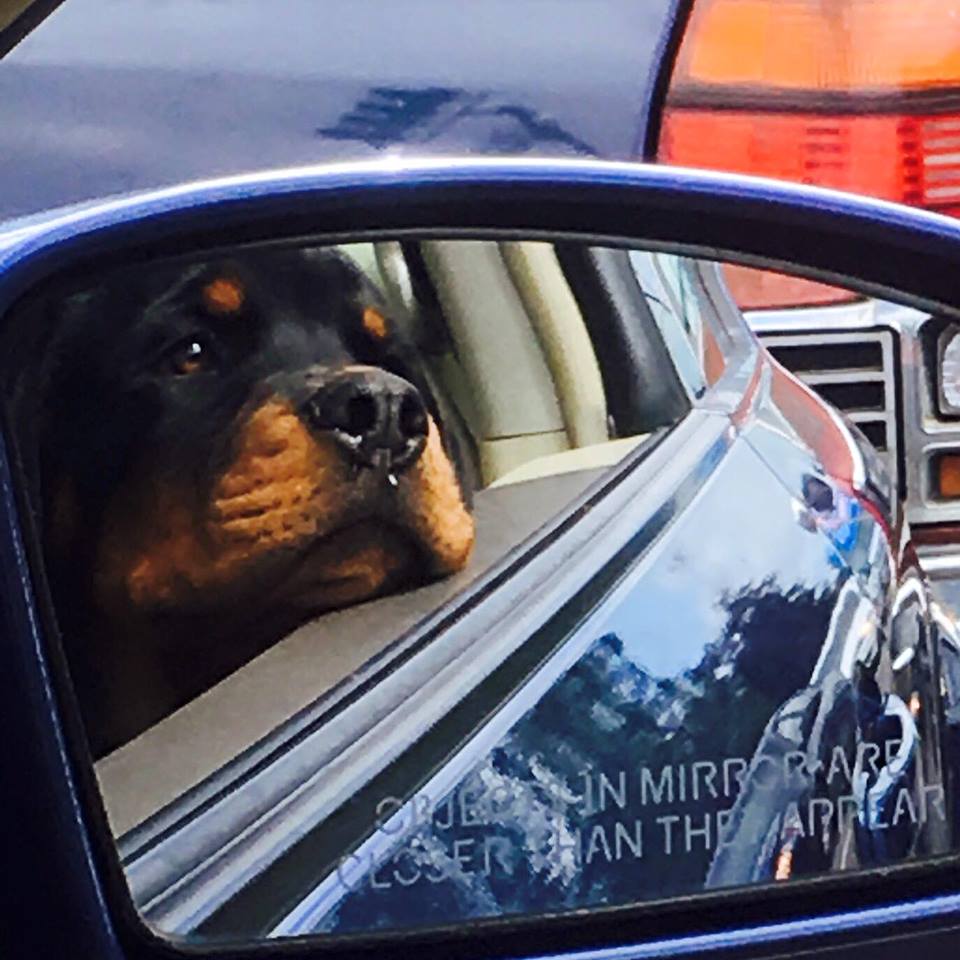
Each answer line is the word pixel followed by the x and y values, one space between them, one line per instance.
pixel 244 513
pixel 293 490
pixel 287 530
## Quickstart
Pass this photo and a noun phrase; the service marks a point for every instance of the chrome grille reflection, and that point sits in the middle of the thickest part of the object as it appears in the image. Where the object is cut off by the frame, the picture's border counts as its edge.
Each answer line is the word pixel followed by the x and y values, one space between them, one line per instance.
pixel 854 371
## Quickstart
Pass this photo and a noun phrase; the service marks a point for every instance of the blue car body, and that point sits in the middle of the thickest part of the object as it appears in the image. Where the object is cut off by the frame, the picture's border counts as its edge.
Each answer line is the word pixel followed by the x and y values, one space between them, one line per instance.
pixel 100 99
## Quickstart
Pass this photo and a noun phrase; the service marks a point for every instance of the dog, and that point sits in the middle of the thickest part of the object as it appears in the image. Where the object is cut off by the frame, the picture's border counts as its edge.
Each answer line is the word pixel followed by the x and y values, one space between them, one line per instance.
pixel 218 451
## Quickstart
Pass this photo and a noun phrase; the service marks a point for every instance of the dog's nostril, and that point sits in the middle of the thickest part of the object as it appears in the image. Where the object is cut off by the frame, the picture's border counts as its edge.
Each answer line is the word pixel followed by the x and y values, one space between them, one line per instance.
pixel 360 415
pixel 378 420
pixel 412 417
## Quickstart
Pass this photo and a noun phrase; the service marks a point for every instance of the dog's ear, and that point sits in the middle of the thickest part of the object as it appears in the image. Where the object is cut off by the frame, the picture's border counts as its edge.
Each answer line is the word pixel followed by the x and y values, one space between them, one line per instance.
pixel 30 342
pixel 50 348
pixel 36 335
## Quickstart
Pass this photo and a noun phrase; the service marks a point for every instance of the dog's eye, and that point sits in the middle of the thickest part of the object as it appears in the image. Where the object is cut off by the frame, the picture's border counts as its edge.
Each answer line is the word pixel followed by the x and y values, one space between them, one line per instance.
pixel 191 355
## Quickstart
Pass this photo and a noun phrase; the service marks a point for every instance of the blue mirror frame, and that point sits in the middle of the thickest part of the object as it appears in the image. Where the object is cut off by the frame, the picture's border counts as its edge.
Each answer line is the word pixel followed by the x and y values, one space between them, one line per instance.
pixel 60 843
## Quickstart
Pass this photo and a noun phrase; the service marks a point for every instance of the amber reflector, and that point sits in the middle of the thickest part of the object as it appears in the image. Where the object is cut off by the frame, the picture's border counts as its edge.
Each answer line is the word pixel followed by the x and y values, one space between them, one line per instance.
pixel 948 474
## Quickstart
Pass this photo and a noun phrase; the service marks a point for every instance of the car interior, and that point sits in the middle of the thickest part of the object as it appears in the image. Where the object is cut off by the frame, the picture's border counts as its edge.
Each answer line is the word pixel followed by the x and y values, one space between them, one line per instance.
pixel 556 362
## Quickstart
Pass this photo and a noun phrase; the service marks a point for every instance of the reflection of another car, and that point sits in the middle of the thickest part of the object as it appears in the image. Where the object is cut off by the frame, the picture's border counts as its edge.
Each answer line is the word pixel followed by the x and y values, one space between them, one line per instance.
pixel 860 96
pixel 881 364
pixel 723 669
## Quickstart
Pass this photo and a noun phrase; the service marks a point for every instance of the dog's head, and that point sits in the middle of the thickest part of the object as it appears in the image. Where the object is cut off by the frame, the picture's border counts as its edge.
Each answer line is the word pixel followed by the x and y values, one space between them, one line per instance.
pixel 247 441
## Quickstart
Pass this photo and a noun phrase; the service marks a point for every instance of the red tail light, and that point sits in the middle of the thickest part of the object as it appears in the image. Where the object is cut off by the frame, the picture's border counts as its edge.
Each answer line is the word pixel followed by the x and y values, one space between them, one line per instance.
pixel 861 95
pixel 904 158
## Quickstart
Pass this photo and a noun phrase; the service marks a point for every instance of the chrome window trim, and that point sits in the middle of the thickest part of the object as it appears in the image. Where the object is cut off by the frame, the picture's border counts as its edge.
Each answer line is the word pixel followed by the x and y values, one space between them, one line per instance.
pixel 801 319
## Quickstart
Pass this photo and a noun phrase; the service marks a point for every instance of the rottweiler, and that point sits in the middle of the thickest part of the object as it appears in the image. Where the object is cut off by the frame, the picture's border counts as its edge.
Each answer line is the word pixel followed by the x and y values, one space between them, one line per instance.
pixel 219 451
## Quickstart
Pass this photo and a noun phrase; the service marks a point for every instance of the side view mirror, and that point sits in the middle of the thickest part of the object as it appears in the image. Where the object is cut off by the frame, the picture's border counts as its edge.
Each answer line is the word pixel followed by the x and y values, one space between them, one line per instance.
pixel 394 546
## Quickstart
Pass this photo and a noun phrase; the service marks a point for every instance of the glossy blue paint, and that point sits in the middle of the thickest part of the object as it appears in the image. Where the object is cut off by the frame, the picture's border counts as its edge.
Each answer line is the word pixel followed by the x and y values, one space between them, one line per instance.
pixel 103 98
pixel 811 208
pixel 783 934
pixel 669 625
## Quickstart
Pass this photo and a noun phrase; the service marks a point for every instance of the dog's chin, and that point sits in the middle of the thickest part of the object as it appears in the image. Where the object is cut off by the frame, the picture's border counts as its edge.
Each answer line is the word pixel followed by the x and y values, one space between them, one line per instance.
pixel 354 563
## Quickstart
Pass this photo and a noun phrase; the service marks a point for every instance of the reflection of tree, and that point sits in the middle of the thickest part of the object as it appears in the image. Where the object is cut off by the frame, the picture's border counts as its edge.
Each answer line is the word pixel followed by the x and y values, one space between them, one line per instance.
pixel 391 115
pixel 604 716
pixel 777 636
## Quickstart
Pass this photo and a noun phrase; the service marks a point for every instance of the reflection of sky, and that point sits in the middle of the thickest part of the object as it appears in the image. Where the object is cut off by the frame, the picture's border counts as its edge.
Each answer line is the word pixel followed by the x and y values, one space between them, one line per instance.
pixel 740 531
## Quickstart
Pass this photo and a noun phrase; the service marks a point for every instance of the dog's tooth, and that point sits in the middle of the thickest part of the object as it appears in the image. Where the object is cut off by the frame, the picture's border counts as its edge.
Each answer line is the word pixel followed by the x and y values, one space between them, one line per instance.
pixel 392 480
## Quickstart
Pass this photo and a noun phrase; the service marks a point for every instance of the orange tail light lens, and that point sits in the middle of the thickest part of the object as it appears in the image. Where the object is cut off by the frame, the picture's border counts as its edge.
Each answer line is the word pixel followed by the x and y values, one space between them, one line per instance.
pixel 812 46
pixel 948 476
pixel 860 95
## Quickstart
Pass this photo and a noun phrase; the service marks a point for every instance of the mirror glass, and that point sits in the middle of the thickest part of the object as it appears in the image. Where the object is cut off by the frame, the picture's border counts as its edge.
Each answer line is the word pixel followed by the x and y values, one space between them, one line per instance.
pixel 414 581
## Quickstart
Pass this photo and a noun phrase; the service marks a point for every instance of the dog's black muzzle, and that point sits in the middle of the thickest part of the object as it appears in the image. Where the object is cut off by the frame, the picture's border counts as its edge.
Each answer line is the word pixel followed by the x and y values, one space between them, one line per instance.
pixel 377 418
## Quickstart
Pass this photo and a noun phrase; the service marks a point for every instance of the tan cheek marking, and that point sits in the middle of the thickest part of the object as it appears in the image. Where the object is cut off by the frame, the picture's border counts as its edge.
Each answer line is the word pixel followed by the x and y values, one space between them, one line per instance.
pixel 283 484
pixel 435 509
pixel 375 323
pixel 149 551
pixel 282 489
pixel 177 559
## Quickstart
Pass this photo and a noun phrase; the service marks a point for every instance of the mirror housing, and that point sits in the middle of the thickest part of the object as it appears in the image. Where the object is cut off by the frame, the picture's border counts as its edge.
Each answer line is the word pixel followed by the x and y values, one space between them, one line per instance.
pixel 875 247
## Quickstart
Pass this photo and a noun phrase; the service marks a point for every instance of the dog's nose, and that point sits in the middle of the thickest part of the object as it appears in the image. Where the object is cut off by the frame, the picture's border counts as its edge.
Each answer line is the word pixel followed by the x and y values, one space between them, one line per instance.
pixel 379 419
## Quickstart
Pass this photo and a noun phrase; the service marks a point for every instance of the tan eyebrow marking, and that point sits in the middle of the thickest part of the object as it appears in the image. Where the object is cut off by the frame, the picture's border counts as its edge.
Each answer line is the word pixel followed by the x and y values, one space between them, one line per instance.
pixel 223 295
pixel 375 323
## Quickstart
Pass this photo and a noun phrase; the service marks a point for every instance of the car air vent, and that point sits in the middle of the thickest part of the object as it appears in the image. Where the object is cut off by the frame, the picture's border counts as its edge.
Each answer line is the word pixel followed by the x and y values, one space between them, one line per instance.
pixel 852 371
